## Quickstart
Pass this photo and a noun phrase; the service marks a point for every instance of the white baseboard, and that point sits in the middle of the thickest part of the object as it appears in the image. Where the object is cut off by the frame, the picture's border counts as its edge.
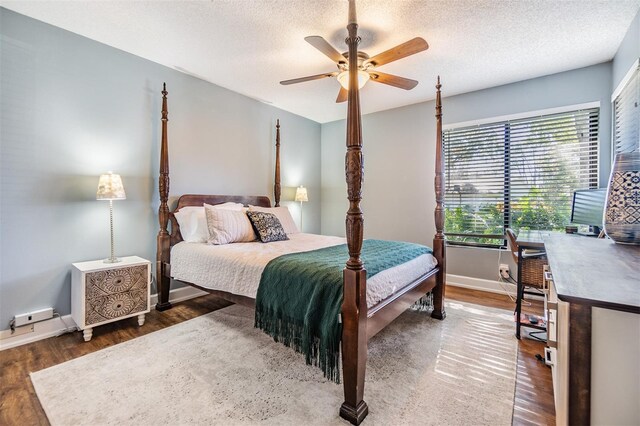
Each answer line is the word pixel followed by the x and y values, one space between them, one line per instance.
pixel 179 294
pixel 56 326
pixel 41 330
pixel 480 284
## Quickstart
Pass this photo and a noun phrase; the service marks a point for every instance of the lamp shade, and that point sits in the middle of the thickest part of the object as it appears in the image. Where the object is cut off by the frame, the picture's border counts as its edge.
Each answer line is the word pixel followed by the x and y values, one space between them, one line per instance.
pixel 343 79
pixel 110 188
pixel 301 194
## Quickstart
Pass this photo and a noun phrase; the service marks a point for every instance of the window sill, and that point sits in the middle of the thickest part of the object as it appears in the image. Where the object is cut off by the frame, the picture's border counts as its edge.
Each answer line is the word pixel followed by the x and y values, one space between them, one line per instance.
pixel 466 246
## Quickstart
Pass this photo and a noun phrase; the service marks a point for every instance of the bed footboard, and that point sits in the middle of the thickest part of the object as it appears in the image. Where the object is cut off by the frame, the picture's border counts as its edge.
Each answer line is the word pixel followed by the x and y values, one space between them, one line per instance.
pixel 383 314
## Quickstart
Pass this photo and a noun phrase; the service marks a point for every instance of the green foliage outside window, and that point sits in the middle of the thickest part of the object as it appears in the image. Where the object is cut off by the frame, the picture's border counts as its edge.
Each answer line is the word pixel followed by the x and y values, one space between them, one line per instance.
pixel 519 174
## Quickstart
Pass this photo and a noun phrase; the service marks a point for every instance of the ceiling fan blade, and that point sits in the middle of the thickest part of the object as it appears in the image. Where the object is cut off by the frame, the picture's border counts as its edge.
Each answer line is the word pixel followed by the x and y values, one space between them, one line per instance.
pixel 393 80
pixel 309 78
pixel 343 95
pixel 403 50
pixel 324 46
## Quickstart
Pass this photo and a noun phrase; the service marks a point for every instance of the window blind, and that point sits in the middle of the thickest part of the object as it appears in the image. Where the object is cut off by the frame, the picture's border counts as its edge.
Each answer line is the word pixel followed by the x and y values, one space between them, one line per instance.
pixel 626 123
pixel 518 173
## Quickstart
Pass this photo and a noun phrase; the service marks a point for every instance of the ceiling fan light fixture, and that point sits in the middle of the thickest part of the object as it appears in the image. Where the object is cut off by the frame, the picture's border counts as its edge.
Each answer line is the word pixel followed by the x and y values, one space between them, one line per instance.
pixel 343 79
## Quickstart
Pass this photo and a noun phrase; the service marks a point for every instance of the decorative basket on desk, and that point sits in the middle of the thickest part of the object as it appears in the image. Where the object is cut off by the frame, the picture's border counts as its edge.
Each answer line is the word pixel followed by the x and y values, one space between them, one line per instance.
pixel 622 209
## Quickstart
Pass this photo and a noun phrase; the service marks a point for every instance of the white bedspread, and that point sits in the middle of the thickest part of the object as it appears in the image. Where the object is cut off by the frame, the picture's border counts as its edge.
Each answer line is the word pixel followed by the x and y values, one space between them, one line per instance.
pixel 237 268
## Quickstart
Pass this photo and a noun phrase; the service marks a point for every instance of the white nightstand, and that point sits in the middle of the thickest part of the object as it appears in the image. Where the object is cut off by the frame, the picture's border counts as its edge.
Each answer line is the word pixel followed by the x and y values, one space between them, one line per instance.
pixel 105 292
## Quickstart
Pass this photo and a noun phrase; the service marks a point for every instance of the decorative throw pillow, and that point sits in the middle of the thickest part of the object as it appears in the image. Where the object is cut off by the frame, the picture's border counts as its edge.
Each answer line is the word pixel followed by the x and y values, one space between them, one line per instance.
pixel 228 226
pixel 193 222
pixel 284 216
pixel 267 226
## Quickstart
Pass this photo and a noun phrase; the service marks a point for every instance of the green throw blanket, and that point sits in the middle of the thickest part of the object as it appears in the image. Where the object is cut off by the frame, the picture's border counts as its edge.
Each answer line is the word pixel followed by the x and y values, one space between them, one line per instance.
pixel 300 297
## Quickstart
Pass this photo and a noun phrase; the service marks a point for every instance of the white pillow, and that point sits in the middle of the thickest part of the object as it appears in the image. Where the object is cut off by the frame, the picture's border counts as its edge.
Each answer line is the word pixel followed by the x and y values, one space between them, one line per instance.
pixel 227 206
pixel 284 216
pixel 193 222
pixel 228 226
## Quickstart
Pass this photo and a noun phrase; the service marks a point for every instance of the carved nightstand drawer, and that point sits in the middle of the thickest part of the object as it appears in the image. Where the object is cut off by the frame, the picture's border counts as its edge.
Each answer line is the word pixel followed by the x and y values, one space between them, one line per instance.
pixel 107 292
pixel 115 306
pixel 114 281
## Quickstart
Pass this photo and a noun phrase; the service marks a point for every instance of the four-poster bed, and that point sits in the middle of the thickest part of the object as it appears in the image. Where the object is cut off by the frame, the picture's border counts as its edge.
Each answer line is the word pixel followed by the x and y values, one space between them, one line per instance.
pixel 360 322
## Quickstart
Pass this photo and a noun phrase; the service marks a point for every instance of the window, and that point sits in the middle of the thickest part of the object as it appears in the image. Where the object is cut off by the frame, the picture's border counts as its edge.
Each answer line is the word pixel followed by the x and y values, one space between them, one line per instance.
pixel 626 112
pixel 517 174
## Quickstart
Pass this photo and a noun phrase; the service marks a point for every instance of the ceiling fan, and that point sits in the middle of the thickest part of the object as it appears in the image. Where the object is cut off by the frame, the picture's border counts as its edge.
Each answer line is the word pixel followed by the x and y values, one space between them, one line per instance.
pixel 366 65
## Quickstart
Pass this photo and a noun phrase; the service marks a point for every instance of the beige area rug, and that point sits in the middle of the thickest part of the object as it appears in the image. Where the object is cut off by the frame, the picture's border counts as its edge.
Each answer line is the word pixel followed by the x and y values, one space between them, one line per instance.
pixel 218 369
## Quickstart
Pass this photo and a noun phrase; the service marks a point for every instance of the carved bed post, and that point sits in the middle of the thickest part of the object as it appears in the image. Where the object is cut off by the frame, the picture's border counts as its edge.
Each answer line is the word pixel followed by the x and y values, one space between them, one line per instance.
pixel 276 185
pixel 354 306
pixel 163 250
pixel 439 244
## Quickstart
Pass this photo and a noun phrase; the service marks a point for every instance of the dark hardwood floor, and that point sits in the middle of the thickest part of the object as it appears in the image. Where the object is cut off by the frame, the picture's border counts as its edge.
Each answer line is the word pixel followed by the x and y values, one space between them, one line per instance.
pixel 20 406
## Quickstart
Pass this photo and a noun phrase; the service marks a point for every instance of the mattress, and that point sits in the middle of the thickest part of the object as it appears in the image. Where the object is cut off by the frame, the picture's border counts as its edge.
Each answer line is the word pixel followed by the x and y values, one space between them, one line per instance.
pixel 237 268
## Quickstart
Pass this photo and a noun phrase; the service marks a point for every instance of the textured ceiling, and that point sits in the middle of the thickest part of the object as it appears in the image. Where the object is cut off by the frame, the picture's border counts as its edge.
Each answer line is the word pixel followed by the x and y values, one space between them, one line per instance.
pixel 248 46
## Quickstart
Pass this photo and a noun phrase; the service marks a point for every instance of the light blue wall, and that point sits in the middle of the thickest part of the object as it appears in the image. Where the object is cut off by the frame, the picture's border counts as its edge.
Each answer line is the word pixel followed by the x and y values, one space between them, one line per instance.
pixel 399 150
pixel 72 109
pixel 627 53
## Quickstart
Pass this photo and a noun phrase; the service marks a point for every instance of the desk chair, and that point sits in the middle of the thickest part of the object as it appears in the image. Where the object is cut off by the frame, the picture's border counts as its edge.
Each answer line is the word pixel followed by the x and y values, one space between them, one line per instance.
pixel 531 265
pixel 530 275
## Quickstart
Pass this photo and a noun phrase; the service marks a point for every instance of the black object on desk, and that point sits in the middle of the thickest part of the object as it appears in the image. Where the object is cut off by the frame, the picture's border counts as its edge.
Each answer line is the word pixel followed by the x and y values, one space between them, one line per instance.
pixel 587 208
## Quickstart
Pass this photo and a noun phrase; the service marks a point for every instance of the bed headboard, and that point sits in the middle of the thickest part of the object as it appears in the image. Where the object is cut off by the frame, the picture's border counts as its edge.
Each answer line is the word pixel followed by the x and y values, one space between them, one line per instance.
pixel 199 200
pixel 165 239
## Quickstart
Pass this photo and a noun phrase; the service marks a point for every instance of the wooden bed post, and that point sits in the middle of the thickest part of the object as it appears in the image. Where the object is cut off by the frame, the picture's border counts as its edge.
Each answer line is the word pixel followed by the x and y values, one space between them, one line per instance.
pixel 439 244
pixel 276 185
pixel 163 250
pixel 354 305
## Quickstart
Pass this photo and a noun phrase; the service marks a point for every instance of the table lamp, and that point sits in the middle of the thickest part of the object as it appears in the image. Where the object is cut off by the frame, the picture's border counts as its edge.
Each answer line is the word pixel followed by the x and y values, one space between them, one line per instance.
pixel 110 188
pixel 301 196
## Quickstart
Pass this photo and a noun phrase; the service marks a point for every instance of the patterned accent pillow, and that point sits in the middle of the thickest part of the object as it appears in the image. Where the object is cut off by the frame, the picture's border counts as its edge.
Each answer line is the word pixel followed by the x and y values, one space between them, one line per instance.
pixel 283 214
pixel 267 226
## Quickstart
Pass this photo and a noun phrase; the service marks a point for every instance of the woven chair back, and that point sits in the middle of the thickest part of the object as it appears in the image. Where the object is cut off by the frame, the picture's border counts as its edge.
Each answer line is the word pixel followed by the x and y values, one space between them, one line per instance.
pixel 532 268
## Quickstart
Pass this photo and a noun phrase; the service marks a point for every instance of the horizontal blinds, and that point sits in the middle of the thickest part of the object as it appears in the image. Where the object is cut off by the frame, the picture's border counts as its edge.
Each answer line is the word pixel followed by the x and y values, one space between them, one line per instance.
pixel 550 158
pixel 626 126
pixel 474 176
pixel 518 173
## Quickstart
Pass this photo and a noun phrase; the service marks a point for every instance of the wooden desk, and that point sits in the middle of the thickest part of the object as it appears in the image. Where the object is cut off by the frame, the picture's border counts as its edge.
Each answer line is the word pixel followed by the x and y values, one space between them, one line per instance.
pixel 596 273
pixel 583 266
pixel 533 239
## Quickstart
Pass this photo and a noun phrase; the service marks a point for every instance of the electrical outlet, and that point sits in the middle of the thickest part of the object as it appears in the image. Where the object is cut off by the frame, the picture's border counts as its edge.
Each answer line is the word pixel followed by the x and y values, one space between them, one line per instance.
pixel 35 316
pixel 5 334
pixel 504 270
